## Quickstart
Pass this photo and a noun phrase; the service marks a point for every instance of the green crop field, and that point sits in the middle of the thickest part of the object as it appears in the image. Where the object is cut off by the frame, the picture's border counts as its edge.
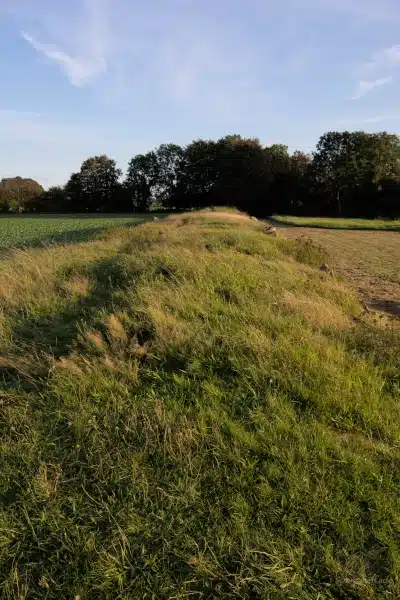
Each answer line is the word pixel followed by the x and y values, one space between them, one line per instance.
pixel 336 223
pixel 34 231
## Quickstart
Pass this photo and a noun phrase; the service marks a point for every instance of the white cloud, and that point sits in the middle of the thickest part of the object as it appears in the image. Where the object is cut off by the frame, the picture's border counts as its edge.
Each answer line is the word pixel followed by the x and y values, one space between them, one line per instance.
pixel 364 87
pixel 144 53
pixel 392 54
pixel 387 60
pixel 79 70
pixel 88 40
pixel 384 59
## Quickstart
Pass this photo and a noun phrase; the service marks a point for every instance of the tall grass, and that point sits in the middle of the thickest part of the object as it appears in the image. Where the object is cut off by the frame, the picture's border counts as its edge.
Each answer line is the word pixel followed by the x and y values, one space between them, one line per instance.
pixel 189 411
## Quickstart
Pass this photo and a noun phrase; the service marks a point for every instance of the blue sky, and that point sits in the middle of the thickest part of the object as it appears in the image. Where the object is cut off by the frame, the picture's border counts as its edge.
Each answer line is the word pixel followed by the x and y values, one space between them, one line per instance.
pixel 85 77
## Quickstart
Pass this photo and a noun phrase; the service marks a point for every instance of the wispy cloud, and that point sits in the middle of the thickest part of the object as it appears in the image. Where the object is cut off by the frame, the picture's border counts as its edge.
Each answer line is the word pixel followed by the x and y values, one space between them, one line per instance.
pixel 364 87
pixel 174 55
pixel 381 62
pixel 79 70
pixel 201 68
pixel 386 58
pixel 87 58
pixel 392 54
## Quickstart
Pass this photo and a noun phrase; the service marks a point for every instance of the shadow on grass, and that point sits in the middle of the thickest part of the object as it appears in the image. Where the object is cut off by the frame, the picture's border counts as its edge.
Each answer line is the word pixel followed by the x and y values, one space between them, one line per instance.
pixel 392 307
pixel 44 335
pixel 70 236
pixel 54 334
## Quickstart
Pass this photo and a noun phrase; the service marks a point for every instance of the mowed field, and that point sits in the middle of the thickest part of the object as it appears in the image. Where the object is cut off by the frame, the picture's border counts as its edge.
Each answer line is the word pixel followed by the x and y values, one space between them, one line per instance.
pixel 368 260
pixel 26 231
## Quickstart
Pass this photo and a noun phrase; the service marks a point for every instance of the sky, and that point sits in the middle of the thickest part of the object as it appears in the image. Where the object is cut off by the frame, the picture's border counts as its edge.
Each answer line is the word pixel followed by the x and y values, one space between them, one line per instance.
pixel 119 77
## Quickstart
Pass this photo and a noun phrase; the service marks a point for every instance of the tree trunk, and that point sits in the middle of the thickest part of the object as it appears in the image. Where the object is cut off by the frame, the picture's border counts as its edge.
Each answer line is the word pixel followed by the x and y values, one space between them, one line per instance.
pixel 339 203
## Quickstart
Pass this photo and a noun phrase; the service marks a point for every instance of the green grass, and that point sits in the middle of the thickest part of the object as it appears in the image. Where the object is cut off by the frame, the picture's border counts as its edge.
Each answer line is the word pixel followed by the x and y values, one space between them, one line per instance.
pixel 190 410
pixel 31 231
pixel 336 223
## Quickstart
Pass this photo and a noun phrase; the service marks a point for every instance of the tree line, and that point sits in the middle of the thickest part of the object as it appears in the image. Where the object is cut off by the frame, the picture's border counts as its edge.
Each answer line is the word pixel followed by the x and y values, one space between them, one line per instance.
pixel 354 174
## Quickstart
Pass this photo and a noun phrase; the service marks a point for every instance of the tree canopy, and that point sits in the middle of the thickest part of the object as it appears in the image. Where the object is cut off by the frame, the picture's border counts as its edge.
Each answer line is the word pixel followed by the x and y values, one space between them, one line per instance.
pixel 349 174
pixel 18 194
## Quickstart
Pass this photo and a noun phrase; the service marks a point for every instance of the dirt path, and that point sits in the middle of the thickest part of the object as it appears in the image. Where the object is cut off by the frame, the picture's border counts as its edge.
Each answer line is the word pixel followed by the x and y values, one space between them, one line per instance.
pixel 368 260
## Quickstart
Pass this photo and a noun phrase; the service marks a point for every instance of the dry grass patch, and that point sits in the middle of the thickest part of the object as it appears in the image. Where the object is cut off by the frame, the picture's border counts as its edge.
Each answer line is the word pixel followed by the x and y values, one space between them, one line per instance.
pixel 79 286
pixel 316 311
pixel 30 277
pixel 116 331
pixel 95 339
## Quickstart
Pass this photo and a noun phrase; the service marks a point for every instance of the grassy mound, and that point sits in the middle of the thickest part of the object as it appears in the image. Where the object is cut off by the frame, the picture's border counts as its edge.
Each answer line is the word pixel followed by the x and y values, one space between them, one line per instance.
pixel 190 409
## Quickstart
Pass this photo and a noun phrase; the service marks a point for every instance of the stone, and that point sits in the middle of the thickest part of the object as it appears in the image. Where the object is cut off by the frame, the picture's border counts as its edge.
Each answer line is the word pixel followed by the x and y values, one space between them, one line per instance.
pixel 270 230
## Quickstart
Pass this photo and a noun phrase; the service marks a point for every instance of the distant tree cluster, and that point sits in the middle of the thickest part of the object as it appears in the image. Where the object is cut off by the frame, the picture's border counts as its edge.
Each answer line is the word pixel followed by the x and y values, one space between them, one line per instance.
pixel 18 194
pixel 349 174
